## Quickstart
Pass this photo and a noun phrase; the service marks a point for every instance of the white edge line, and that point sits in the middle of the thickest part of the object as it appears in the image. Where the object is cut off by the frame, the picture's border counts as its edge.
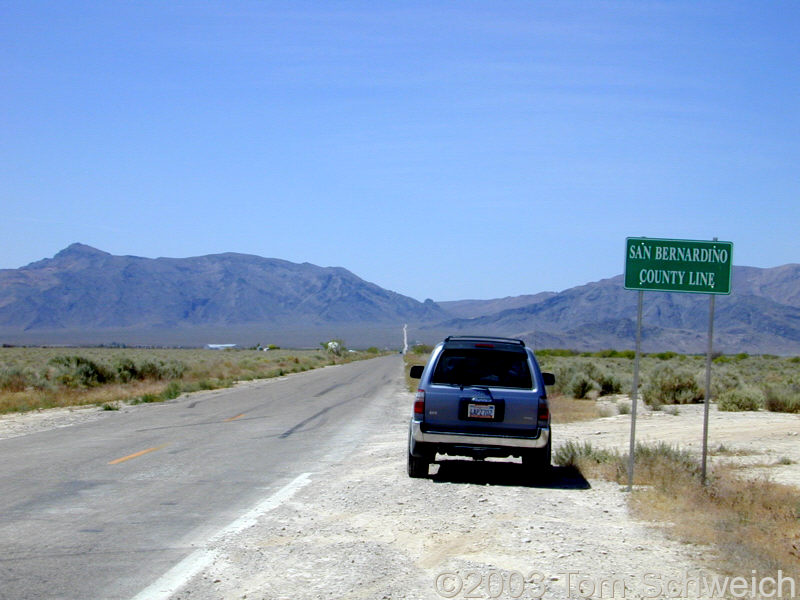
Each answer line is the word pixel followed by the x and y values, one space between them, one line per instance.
pixel 179 575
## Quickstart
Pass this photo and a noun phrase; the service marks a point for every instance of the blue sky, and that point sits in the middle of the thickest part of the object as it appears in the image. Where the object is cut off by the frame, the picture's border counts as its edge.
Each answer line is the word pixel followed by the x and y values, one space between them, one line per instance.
pixel 447 150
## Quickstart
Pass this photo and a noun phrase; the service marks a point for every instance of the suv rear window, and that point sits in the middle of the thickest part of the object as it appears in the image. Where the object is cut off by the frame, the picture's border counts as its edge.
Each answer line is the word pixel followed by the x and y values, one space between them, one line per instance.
pixel 495 368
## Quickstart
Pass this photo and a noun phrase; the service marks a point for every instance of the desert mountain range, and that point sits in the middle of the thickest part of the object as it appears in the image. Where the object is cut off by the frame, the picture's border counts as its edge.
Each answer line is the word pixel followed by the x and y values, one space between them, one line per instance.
pixel 84 295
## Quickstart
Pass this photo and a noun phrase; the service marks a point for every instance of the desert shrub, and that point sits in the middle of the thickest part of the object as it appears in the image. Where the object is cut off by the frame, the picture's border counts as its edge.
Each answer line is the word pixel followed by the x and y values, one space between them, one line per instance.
pixel 727 358
pixel 741 398
pixel 126 369
pixel 664 355
pixel 15 379
pixel 782 398
pixel 563 374
pixel 626 354
pixel 724 379
pixel 173 369
pixel 609 384
pixel 624 408
pixel 670 386
pixel 150 369
pixel 581 385
pixel 555 352
pixel 79 371
pixel 147 399
pixel 373 350
pixel 608 410
pixel 160 369
pixel 173 390
pixel 576 377
pixel 610 353
pixel 422 349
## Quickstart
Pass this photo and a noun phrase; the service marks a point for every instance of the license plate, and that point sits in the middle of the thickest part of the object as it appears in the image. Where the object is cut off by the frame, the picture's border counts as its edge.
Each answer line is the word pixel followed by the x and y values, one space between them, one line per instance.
pixel 480 411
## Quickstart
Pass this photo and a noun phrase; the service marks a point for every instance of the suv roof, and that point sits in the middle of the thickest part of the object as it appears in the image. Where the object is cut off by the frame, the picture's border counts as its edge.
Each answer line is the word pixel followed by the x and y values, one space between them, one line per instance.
pixel 452 340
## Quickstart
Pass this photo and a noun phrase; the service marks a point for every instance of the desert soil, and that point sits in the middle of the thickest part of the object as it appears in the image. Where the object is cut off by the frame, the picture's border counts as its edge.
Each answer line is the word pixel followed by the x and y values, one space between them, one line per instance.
pixel 363 529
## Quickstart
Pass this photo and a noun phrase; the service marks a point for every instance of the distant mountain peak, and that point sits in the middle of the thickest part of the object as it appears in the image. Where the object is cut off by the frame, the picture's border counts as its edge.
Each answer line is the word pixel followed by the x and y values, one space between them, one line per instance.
pixel 80 250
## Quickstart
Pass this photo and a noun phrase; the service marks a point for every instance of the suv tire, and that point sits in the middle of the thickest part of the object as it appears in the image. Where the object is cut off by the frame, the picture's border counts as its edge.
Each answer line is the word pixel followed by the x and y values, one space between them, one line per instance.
pixel 417 466
pixel 538 460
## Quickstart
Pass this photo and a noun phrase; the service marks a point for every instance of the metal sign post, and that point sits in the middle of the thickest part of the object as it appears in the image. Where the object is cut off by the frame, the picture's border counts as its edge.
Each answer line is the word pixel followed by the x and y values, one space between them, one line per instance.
pixel 635 391
pixel 707 399
pixel 684 266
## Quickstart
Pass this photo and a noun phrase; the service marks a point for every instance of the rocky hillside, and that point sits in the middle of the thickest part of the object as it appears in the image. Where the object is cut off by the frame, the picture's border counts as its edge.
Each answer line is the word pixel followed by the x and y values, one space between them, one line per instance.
pixel 85 288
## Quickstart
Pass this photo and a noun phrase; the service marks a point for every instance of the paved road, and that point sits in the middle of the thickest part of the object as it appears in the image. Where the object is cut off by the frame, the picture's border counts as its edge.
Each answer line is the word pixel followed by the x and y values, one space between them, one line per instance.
pixel 102 509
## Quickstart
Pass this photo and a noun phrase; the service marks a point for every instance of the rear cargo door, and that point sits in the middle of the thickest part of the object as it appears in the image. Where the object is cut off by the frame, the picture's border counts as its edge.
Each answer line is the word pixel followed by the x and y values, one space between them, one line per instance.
pixel 486 390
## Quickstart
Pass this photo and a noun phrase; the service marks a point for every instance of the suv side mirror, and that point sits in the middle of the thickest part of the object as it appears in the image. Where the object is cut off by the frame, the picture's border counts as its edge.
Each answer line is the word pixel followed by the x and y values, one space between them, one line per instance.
pixel 549 378
pixel 416 372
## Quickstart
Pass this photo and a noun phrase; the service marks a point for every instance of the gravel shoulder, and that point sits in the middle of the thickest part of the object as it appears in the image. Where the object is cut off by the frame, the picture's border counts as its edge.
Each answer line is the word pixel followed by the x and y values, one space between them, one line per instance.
pixel 16 424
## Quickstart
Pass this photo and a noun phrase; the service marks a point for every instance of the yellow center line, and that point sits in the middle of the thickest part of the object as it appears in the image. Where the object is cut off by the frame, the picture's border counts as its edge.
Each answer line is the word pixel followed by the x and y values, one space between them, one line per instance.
pixel 234 418
pixel 137 454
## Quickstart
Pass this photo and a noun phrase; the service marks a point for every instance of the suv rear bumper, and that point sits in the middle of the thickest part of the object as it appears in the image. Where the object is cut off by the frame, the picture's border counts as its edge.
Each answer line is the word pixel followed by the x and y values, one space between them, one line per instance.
pixel 466 439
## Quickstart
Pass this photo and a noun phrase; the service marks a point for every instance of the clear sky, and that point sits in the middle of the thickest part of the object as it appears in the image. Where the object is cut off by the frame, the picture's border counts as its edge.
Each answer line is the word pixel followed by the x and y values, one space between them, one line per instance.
pixel 445 150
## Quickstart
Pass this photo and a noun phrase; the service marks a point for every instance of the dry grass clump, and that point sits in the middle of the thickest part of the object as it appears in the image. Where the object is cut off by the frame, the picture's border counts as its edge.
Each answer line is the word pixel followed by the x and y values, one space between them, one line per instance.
pixel 723 450
pixel 783 398
pixel 60 397
pixel 755 524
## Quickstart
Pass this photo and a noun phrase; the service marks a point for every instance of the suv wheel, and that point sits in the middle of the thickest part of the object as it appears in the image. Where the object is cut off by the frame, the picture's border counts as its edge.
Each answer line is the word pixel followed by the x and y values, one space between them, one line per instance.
pixel 417 466
pixel 538 460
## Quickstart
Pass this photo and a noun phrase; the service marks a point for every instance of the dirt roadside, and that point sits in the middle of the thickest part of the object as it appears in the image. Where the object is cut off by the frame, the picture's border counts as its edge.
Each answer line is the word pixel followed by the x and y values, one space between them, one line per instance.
pixel 363 529
pixel 767 444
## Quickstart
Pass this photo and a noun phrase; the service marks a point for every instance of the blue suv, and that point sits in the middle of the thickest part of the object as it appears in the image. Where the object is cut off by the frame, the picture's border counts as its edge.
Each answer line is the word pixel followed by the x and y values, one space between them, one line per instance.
pixel 480 397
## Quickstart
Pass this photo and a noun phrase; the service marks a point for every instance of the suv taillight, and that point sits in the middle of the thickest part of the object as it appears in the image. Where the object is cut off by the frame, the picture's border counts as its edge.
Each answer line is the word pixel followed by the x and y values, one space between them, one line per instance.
pixel 543 415
pixel 419 403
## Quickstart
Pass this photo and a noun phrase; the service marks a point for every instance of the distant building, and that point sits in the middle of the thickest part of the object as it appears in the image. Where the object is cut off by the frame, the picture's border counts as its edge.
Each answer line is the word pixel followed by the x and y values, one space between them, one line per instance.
pixel 220 346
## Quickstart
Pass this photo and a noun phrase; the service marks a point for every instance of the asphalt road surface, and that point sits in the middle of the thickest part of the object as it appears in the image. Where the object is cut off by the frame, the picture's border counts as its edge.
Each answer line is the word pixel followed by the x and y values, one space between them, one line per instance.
pixel 103 509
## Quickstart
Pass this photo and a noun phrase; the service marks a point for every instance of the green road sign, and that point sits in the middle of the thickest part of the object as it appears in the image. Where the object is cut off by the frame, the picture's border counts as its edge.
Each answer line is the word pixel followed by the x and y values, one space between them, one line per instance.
pixel 694 266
